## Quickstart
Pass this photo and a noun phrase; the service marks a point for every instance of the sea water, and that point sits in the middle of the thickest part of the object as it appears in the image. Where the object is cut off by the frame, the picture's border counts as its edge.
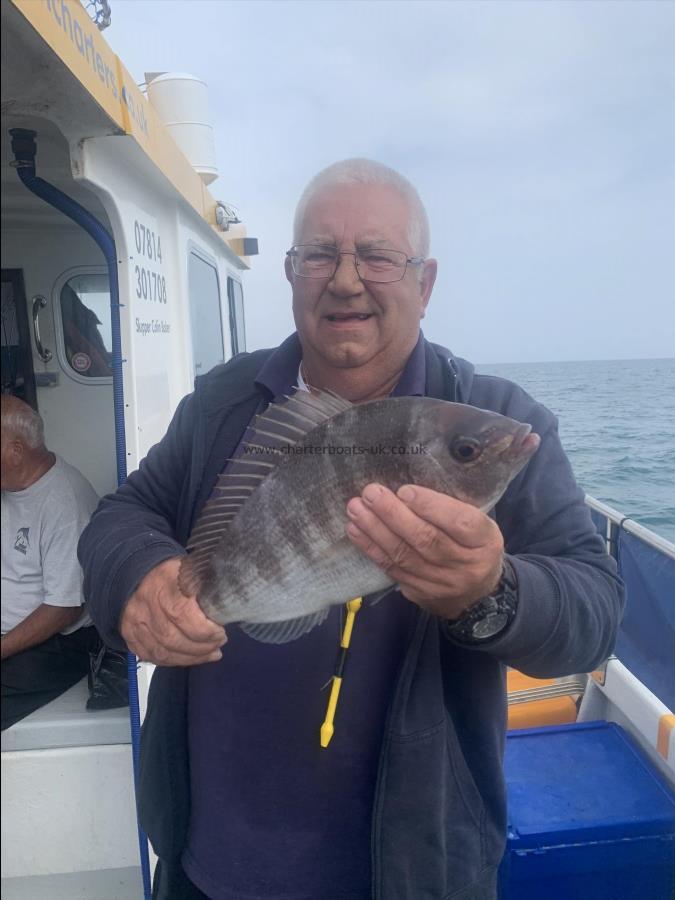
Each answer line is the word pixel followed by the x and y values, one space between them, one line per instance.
pixel 617 424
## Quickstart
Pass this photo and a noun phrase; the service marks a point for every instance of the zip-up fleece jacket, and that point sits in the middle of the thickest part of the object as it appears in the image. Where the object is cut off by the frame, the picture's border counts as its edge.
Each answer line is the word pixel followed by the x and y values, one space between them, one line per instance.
pixel 439 816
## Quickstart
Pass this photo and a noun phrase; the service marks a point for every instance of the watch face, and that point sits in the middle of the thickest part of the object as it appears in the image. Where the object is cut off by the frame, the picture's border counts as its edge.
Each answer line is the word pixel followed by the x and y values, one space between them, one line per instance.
pixel 489 626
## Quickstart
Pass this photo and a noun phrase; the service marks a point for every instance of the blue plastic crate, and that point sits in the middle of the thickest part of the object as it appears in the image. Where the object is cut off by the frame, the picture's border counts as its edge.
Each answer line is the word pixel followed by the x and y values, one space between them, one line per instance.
pixel 589 817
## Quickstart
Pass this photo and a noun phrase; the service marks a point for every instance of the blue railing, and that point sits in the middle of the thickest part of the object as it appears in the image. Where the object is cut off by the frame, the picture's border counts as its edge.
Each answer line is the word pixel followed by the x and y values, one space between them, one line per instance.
pixel 646 564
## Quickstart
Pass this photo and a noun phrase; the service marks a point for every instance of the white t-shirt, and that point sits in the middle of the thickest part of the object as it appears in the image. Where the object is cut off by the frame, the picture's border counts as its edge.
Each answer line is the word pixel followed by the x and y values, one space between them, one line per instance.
pixel 41 526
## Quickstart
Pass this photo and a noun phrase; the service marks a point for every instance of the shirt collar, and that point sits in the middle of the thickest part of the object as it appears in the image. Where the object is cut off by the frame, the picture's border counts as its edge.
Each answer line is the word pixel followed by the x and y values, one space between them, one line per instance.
pixel 279 373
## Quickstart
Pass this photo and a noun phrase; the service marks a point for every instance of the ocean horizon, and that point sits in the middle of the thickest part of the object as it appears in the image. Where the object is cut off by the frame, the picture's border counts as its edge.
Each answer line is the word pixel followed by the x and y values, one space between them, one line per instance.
pixel 552 362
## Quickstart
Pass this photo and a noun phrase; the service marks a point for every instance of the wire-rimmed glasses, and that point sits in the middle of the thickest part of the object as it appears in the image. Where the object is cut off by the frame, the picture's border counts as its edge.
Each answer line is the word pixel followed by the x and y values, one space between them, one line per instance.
pixel 372 263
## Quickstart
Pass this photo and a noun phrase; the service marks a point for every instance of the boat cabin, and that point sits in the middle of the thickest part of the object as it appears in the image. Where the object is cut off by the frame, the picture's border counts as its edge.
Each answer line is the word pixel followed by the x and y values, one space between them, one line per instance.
pixel 103 343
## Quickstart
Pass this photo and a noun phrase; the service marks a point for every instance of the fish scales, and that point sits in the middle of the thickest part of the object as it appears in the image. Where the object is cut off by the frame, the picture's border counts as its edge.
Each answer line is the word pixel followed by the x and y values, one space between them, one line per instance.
pixel 284 555
pixel 303 533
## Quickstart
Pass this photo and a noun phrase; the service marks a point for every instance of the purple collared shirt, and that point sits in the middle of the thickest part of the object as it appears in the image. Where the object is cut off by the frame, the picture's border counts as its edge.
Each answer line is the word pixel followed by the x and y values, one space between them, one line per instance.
pixel 273 815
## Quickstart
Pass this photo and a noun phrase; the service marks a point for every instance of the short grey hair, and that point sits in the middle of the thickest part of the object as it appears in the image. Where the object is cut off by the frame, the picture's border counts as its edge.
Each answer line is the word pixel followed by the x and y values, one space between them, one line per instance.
pixel 367 171
pixel 25 423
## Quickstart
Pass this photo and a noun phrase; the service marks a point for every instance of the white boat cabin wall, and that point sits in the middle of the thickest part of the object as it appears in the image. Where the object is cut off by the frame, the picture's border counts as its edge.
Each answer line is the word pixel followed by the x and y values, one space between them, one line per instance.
pixel 68 808
pixel 181 299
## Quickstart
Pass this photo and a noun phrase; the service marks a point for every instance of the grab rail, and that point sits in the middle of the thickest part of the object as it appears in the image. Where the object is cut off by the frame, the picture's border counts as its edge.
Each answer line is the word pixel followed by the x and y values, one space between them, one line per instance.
pixel 617 521
pixel 39 302
pixel 567 686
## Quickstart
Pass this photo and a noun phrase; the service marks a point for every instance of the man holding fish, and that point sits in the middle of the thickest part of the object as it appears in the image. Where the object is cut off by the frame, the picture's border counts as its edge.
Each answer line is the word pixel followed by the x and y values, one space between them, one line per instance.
pixel 479 547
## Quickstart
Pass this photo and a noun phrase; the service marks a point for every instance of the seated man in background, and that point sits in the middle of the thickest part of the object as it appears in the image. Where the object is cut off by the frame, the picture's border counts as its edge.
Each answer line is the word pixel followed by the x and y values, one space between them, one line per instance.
pixel 46 632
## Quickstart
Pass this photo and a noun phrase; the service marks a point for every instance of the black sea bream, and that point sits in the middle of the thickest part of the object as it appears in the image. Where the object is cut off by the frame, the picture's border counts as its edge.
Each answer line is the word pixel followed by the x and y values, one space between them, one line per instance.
pixel 270 544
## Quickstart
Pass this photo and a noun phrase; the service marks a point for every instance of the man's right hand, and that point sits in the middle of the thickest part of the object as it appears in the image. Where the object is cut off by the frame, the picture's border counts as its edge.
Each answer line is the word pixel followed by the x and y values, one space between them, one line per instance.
pixel 163 626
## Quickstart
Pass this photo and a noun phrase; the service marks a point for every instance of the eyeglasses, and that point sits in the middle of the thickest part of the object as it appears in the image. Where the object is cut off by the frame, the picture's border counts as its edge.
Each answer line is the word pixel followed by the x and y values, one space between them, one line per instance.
pixel 372 264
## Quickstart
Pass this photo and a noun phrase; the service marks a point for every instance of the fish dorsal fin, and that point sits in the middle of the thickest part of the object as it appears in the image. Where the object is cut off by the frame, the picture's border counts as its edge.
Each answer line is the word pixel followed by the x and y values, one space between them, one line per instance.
pixel 193 572
pixel 279 428
pixel 283 632
pixel 316 407
pixel 271 435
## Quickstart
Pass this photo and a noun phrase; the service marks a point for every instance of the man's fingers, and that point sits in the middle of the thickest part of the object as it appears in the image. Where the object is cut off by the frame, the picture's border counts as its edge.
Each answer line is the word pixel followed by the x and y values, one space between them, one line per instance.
pixel 443 553
pixel 163 631
pixel 462 522
pixel 385 547
pixel 186 615
pixel 163 626
pixel 424 578
pixel 171 648
pixel 160 656
pixel 158 598
pixel 399 531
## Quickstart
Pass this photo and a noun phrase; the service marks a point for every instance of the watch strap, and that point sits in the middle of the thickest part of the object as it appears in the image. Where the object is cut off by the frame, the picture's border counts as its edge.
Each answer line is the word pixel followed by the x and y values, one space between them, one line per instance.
pixel 491 615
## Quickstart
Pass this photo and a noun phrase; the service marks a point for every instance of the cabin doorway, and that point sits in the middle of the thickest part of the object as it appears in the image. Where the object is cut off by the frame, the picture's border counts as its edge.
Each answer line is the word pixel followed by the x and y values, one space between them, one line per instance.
pixel 17 373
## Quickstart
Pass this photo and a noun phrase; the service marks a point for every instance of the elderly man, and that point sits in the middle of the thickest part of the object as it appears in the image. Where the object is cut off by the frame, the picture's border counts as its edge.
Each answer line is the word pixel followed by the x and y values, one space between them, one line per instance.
pixel 46 633
pixel 407 802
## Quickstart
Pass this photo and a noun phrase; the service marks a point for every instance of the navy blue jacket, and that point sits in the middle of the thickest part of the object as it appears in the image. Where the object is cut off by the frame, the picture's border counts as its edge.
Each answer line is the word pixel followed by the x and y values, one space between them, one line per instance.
pixel 439 818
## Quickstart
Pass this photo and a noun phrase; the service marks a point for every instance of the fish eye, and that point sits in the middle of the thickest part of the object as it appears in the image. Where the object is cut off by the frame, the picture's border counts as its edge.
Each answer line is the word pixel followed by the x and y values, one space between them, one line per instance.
pixel 465 449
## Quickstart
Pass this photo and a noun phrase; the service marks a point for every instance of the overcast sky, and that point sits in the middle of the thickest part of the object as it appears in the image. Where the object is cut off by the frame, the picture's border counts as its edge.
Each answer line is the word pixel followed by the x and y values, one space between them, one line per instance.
pixel 540 135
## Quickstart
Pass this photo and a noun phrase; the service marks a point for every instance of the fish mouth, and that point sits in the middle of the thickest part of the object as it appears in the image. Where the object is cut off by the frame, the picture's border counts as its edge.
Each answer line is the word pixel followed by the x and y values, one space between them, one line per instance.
pixel 523 443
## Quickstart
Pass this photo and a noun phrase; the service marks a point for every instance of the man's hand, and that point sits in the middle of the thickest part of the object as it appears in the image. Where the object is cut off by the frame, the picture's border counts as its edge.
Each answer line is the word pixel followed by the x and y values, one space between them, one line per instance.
pixel 163 626
pixel 43 623
pixel 444 554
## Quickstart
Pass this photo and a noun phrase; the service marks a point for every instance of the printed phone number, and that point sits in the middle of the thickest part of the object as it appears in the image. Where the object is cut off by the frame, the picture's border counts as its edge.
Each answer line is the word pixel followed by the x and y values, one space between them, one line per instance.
pixel 149 285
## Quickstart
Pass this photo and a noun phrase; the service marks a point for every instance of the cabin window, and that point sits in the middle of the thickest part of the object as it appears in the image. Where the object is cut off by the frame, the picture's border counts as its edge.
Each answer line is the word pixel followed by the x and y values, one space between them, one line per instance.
pixel 85 317
pixel 205 315
pixel 235 298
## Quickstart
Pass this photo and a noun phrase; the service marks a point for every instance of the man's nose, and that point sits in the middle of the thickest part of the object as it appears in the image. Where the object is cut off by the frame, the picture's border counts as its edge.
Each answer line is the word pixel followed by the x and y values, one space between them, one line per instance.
pixel 346 281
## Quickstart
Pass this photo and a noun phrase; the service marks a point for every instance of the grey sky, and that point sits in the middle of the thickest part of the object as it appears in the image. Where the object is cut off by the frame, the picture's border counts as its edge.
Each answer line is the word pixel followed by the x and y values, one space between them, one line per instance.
pixel 541 136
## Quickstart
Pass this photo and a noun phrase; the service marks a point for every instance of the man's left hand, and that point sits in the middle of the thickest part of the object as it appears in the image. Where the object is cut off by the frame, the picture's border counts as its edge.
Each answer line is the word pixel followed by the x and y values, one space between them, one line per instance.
pixel 444 554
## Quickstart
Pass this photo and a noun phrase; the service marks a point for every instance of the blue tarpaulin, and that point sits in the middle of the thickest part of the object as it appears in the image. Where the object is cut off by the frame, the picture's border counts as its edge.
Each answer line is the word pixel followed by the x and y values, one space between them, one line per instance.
pixel 646 642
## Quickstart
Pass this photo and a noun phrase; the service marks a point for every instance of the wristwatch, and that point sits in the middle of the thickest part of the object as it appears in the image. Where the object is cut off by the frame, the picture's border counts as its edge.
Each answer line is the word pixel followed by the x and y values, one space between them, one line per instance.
pixel 491 615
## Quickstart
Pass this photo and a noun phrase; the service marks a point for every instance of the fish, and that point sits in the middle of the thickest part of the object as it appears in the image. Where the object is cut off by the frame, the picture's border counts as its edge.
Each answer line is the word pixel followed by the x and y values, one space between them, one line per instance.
pixel 269 550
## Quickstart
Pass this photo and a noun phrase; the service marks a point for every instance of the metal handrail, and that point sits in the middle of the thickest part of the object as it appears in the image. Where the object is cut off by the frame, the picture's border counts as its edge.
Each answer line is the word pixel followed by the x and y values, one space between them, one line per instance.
pixel 627 524
pixel 40 302
pixel 563 687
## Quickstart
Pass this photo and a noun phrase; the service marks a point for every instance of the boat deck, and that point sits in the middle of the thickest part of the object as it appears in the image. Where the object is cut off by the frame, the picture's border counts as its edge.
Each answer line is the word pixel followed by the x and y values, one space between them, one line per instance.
pixel 103 884
pixel 63 842
pixel 66 722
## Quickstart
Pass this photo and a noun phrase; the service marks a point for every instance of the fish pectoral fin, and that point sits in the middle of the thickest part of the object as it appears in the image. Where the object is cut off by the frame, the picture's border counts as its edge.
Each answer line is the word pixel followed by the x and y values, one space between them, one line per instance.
pixel 372 599
pixel 283 632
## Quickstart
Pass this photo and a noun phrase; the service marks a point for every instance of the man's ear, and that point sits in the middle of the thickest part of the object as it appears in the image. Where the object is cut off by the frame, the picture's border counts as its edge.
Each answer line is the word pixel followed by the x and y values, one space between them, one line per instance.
pixel 427 281
pixel 16 451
